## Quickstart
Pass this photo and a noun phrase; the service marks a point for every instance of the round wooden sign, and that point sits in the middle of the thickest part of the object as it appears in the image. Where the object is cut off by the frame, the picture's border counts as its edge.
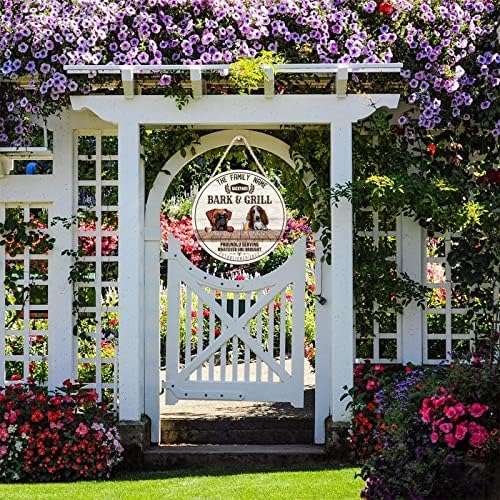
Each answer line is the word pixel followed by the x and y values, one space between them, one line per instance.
pixel 239 216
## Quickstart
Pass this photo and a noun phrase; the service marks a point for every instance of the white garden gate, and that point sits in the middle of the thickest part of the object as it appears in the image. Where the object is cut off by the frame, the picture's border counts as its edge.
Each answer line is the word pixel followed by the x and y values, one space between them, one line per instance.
pixel 227 338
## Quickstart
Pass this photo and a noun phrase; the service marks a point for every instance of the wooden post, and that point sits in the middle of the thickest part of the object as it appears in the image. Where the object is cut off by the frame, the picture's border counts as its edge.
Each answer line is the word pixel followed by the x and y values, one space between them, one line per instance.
pixel 62 342
pixel 131 271
pixel 324 367
pixel 341 272
pixel 412 264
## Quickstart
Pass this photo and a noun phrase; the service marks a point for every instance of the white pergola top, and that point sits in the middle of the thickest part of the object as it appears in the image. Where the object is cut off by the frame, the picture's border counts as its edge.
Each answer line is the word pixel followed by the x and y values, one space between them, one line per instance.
pixel 128 72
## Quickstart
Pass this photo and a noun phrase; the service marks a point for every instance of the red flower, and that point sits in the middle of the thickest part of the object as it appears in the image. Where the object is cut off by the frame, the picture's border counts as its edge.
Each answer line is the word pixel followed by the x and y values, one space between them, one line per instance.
pixel 385 8
pixel 37 416
pixel 217 332
pixel 432 148
pixel 358 370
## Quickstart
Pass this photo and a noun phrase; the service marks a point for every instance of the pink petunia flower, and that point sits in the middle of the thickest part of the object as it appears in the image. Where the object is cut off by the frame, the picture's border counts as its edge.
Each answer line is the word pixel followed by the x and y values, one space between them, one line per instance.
pixel 451 412
pixel 460 431
pixel 450 440
pixel 446 428
pixel 82 429
pixel 477 409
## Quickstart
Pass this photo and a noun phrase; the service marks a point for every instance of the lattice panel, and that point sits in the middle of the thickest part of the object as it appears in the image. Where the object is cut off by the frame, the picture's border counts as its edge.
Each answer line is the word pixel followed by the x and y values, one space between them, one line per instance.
pixel 380 341
pixel 24 303
pixel 446 326
pixel 98 316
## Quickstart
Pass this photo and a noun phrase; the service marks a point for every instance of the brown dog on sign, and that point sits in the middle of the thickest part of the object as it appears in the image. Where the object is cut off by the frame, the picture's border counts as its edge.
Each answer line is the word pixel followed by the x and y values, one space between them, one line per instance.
pixel 218 218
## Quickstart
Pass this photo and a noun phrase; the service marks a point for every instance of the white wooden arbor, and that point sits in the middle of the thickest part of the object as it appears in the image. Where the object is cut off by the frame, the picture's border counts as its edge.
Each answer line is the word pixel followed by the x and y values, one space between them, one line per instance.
pixel 140 233
pixel 335 352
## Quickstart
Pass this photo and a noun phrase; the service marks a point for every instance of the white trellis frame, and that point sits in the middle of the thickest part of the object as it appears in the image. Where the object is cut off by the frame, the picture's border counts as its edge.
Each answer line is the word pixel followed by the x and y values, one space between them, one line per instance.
pixel 334 335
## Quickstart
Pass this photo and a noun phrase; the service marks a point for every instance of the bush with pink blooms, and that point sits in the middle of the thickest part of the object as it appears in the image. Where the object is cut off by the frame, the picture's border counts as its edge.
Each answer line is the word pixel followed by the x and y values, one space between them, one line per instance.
pixel 54 436
pixel 456 425
pixel 438 427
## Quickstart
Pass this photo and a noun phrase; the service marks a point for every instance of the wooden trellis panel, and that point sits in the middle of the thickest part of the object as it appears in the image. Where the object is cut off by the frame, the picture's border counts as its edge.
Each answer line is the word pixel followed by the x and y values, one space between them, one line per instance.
pixel 96 166
pixel 24 315
pixel 446 327
pixel 384 343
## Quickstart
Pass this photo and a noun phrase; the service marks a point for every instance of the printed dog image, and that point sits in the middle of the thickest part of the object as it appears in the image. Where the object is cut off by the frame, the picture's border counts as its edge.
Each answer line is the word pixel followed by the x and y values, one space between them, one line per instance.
pixel 257 219
pixel 218 218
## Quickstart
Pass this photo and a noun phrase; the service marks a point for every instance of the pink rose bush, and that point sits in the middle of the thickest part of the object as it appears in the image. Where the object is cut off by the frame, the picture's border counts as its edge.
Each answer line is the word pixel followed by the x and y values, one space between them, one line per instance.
pixel 456 424
pixel 433 425
pixel 53 436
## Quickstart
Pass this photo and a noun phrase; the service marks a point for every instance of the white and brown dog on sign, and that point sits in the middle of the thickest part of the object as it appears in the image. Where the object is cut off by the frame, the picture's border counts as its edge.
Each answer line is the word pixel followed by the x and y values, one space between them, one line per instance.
pixel 257 219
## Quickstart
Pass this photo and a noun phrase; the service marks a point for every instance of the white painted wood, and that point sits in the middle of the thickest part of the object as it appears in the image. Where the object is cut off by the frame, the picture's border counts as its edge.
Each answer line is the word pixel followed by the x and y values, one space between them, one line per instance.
pixel 324 366
pixel 242 110
pixel 172 357
pixel 207 143
pixel 211 336
pixel 341 78
pixel 270 340
pixel 247 349
pixel 282 337
pixel 152 334
pixel 258 336
pixel 199 340
pixel 179 383
pixel 188 323
pixel 298 333
pixel 413 244
pixel 128 81
pixel 131 271
pixel 196 82
pixel 282 68
pixel 341 275
pixel 61 339
pixel 223 355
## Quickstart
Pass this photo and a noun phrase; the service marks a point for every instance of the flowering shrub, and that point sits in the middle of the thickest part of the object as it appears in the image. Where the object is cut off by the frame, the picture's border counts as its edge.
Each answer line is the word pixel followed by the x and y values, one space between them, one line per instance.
pixel 448 47
pixel 183 230
pixel 49 436
pixel 426 423
pixel 455 424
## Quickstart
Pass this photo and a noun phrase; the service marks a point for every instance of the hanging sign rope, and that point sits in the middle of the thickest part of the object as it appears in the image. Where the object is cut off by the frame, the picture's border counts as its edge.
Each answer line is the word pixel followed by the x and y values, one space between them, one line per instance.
pixel 239 216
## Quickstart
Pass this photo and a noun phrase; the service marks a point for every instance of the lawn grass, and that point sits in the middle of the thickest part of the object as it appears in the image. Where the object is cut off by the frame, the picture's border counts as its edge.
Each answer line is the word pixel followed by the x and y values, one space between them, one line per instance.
pixel 320 483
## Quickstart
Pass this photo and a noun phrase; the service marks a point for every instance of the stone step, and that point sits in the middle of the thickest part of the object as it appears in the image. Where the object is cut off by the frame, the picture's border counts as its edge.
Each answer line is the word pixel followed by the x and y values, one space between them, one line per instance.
pixel 237 430
pixel 186 456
